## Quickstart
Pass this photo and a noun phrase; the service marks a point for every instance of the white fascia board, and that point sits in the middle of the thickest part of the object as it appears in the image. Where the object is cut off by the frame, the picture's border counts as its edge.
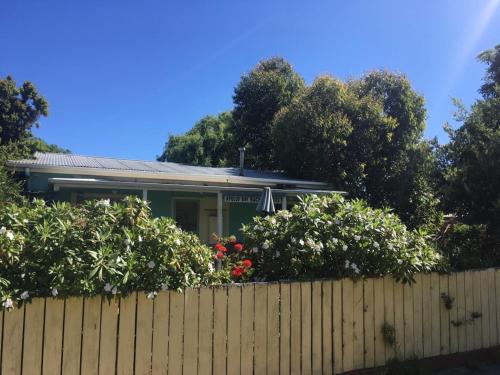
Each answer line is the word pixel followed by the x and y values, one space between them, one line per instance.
pixel 59 183
pixel 236 180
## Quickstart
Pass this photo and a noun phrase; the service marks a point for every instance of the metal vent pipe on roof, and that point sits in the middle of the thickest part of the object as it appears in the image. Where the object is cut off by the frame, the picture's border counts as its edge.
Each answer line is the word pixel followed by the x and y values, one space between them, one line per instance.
pixel 242 160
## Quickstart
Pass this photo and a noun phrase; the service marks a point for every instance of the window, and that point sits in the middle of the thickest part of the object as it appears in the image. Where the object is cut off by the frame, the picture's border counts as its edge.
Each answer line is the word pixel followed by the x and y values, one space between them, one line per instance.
pixel 186 214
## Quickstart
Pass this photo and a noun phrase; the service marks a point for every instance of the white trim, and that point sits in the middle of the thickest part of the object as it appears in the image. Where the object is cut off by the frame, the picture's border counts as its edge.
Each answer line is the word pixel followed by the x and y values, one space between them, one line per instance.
pixel 59 183
pixel 144 194
pixel 283 203
pixel 220 218
pixel 233 180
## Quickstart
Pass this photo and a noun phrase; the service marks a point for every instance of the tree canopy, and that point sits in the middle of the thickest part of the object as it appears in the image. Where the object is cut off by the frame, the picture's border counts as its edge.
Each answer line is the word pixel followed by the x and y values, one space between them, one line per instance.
pixel 259 95
pixel 472 173
pixel 209 143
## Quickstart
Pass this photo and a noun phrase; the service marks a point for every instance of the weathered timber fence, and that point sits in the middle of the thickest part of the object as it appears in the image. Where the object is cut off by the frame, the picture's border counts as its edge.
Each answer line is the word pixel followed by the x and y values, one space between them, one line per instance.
pixel 319 327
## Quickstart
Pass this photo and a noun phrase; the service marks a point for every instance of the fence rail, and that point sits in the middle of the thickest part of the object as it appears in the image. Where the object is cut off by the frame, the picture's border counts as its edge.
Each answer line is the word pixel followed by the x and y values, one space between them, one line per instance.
pixel 319 327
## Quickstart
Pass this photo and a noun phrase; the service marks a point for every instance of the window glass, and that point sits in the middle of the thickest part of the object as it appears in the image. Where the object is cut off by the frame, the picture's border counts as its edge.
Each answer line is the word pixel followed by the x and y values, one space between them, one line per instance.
pixel 186 214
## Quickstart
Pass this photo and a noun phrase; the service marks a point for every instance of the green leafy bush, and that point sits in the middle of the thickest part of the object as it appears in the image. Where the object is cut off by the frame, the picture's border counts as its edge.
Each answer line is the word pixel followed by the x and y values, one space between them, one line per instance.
pixel 97 247
pixel 329 236
pixel 470 246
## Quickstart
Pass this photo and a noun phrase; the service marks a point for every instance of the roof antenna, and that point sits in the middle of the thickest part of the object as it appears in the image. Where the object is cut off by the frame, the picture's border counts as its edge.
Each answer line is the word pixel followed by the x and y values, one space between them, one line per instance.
pixel 242 160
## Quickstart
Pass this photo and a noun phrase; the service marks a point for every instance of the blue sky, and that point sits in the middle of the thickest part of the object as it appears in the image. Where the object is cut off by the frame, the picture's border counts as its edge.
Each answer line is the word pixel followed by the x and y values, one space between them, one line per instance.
pixel 122 75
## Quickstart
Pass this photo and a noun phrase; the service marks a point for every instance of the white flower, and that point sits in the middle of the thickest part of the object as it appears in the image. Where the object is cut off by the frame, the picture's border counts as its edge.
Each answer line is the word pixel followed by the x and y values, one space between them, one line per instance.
pixel 152 295
pixel 255 250
pixel 293 240
pixel 108 287
pixel 376 245
pixel 127 241
pixel 25 295
pixel 3 230
pixel 301 242
pixel 164 287
pixel 114 290
pixel 151 264
pixel 25 221
pixel 8 304
pixel 334 240
pixel 357 238
pixel 139 239
pixel 104 202
pixel 54 292
pixel 344 247
pixel 9 235
pixel 347 264
pixel 265 245
pixel 211 267
pixel 177 242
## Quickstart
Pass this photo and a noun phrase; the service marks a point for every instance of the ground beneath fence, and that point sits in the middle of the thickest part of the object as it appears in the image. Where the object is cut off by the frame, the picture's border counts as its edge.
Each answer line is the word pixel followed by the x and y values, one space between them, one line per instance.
pixel 493 369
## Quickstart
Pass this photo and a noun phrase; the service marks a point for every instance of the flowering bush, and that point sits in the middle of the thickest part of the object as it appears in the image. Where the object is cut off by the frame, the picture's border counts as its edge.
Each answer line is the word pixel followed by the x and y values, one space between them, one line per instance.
pixel 232 259
pixel 98 247
pixel 329 236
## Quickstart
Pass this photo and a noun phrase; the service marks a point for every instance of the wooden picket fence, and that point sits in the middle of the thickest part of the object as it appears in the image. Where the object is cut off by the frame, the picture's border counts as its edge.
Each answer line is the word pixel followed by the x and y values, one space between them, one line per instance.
pixel 319 327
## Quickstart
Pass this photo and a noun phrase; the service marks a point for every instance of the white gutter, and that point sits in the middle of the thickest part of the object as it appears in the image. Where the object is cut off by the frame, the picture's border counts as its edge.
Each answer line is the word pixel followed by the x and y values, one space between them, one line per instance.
pixel 240 180
pixel 59 183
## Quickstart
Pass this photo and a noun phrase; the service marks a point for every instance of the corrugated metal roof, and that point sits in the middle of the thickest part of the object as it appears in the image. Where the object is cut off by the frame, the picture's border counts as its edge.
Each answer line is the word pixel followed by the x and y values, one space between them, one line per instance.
pixel 49 160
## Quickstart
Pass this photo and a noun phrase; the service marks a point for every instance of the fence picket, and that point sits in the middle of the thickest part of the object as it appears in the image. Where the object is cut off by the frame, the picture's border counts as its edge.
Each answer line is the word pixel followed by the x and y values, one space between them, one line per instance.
pixel 485 310
pixel 316 339
pixel 369 329
pixel 327 327
pixel 143 334
pixel 337 326
pixel 12 341
pixel 444 315
pixel 73 319
pixel 493 307
pixel 126 335
pixel 347 327
pixel 399 319
pixel 469 308
pixel 427 314
pixel 159 362
pixel 90 335
pixel 461 313
pixel 247 329
pixel 306 317
pixel 357 325
pixel 285 320
pixel 452 291
pixel 260 355
pixel 417 317
pixel 435 304
pixel 273 327
pixel 191 307
pixel 295 327
pixel 109 326
pixel 233 330
pixel 52 346
pixel 408 321
pixel 476 296
pixel 33 336
pixel 385 291
pixel 176 332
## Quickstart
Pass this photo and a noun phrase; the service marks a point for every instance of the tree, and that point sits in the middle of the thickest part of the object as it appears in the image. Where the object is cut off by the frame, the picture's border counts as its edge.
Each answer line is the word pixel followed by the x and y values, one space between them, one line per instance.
pixel 260 94
pixel 364 136
pixel 472 174
pixel 209 143
pixel 20 109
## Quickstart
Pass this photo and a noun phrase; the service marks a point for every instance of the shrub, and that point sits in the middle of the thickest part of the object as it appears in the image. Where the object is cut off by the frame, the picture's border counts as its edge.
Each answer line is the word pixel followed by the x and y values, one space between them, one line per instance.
pixel 470 246
pixel 329 236
pixel 97 247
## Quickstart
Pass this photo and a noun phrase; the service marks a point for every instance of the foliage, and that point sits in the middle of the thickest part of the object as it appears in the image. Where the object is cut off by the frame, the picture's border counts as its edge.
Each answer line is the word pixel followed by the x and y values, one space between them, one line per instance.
pixel 259 95
pixel 94 248
pixel 209 143
pixel 491 57
pixel 469 246
pixel 389 334
pixel 35 144
pixel 365 137
pixel 10 189
pixel 329 236
pixel 20 109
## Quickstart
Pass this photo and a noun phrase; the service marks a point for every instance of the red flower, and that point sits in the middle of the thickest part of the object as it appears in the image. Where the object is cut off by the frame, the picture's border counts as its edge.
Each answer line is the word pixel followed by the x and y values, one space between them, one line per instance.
pixel 238 247
pixel 221 248
pixel 238 271
pixel 219 255
pixel 247 263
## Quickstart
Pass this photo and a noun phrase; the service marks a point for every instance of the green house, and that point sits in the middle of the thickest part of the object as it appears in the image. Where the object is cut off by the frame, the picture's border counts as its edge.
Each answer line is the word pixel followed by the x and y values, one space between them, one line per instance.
pixel 204 200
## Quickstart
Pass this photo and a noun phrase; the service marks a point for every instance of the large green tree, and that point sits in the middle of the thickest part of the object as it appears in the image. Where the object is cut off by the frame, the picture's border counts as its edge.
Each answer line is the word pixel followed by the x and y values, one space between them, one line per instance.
pixel 259 95
pixel 472 174
pixel 209 143
pixel 364 136
pixel 20 109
